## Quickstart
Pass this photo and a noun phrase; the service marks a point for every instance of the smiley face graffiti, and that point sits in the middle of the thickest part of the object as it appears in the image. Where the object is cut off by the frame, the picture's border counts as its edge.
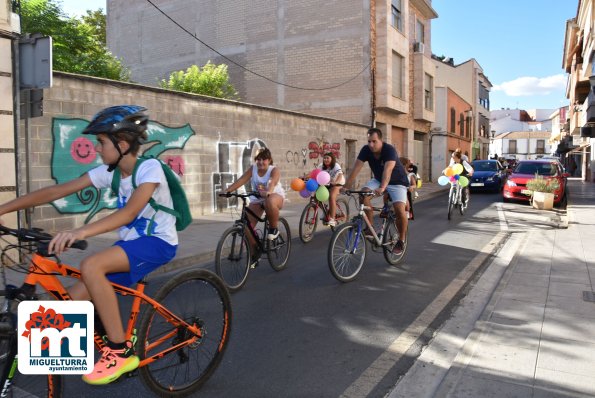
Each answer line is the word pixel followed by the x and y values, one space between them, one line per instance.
pixel 82 150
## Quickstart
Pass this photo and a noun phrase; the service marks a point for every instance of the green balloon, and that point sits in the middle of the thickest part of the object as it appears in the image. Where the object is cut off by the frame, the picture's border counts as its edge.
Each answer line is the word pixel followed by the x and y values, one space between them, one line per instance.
pixel 464 181
pixel 322 193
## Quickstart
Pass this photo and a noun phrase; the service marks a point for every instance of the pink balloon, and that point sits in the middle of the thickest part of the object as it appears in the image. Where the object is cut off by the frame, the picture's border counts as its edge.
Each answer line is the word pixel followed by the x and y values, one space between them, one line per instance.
pixel 323 178
pixel 304 193
pixel 314 173
pixel 452 178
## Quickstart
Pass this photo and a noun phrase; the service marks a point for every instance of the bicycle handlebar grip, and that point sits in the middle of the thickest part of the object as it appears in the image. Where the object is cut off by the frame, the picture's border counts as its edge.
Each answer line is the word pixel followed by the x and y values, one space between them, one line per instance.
pixel 225 195
pixel 80 244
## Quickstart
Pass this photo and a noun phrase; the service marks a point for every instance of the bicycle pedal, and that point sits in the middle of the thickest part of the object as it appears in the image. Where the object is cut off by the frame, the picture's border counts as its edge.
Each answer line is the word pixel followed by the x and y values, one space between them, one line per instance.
pixel 128 375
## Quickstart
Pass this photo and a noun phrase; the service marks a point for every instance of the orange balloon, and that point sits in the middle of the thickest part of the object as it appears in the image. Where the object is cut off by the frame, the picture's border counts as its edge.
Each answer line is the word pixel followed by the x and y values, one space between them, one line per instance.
pixel 449 172
pixel 297 184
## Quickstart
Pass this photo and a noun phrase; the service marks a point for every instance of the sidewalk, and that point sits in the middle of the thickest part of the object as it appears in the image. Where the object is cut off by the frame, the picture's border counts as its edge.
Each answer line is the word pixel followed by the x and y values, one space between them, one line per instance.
pixel 527 328
pixel 199 240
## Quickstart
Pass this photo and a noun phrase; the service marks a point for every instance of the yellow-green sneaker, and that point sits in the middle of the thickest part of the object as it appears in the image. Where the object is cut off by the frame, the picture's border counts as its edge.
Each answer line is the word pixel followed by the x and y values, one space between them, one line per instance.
pixel 112 364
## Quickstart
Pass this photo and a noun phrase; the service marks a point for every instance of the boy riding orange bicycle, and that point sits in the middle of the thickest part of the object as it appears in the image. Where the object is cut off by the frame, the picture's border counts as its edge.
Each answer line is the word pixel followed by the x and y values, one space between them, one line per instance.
pixel 148 238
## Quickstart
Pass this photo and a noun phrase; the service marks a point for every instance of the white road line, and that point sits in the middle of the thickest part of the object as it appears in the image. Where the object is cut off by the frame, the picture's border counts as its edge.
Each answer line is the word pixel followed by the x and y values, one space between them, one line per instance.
pixel 384 363
pixel 501 217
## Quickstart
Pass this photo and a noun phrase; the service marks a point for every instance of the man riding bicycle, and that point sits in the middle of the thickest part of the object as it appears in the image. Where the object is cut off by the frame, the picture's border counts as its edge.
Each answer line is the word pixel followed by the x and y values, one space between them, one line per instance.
pixel 389 175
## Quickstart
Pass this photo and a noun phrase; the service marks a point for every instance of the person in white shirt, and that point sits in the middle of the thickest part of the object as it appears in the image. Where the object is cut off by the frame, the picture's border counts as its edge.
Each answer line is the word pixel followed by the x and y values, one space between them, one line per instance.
pixel 331 166
pixel 266 180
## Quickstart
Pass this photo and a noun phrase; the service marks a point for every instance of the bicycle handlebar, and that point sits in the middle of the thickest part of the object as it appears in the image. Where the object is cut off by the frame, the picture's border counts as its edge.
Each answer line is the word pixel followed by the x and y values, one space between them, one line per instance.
pixel 240 195
pixel 37 235
pixel 363 193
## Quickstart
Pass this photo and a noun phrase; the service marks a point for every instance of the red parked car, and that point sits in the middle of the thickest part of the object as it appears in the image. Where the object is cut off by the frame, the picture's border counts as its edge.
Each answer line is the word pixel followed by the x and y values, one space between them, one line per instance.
pixel 516 185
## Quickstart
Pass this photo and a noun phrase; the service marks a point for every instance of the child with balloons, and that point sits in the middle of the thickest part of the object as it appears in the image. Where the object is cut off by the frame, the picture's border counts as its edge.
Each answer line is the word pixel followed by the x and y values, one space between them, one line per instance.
pixel 329 172
pixel 460 170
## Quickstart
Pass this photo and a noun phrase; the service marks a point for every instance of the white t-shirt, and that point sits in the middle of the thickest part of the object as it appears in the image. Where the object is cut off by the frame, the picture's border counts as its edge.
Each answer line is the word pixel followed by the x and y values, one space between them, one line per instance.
pixel 262 183
pixel 335 172
pixel 164 225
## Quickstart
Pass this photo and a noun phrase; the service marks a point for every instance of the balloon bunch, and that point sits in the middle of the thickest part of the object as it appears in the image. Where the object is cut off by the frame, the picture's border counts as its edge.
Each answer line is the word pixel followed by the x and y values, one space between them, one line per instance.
pixel 452 174
pixel 316 183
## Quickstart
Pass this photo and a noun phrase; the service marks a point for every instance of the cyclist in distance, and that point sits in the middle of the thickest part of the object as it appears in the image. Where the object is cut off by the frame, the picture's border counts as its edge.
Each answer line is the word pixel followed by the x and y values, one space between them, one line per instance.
pixel 389 175
pixel 148 238
pixel 266 180
pixel 467 172
pixel 331 166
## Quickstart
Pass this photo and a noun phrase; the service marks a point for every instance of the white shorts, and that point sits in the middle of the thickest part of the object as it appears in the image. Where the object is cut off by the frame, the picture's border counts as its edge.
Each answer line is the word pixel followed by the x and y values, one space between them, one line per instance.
pixel 397 193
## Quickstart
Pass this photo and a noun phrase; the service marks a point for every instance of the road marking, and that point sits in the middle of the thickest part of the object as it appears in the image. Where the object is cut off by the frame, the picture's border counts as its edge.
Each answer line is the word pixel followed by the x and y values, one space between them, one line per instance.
pixel 384 363
pixel 501 217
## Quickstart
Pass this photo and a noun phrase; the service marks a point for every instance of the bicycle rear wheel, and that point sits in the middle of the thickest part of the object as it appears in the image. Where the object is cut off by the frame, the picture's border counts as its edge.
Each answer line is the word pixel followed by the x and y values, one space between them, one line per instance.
pixel 308 222
pixel 26 385
pixel 462 204
pixel 342 213
pixel 346 252
pixel 232 258
pixel 389 240
pixel 200 298
pixel 278 250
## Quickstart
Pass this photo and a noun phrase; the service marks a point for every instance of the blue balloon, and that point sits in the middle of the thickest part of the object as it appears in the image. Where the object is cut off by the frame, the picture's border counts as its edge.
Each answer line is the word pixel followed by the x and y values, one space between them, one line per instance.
pixel 312 185
pixel 457 176
pixel 443 180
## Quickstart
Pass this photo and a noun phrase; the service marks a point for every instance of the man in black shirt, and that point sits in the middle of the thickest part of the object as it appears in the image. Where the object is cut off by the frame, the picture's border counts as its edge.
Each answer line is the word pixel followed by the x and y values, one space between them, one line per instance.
pixel 389 175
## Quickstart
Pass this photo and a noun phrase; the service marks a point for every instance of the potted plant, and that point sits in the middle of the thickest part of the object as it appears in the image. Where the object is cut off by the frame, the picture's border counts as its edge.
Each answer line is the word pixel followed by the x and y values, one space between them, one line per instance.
pixel 542 196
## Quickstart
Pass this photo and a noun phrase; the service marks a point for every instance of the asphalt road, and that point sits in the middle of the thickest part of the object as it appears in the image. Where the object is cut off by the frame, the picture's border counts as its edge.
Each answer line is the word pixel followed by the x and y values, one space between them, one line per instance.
pixel 301 333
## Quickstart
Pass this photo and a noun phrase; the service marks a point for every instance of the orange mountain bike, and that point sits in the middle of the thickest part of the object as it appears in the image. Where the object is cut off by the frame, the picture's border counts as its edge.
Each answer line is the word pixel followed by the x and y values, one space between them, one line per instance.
pixel 183 330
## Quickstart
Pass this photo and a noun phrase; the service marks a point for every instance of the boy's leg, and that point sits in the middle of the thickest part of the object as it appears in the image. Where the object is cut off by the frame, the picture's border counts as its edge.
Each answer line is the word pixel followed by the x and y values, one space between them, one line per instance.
pixel 94 269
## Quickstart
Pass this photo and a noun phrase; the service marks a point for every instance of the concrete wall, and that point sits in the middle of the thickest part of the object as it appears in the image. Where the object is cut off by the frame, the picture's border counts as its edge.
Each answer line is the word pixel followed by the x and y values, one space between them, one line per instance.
pixel 210 142
pixel 307 44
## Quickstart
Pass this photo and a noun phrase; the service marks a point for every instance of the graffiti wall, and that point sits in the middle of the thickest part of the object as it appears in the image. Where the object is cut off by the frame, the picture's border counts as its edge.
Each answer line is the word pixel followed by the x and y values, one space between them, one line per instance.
pixel 74 154
pixel 208 142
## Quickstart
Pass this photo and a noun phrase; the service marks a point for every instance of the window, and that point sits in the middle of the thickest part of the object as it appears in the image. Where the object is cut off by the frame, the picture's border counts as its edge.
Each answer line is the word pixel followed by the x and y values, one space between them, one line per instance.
pixel 428 92
pixel 398 62
pixel 453 120
pixel 461 124
pixel 397 18
pixel 540 146
pixel 512 146
pixel 420 36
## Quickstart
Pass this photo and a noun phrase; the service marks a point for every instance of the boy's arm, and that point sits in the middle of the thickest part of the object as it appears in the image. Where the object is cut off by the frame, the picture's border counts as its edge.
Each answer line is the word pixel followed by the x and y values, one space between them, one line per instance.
pixel 137 202
pixel 46 195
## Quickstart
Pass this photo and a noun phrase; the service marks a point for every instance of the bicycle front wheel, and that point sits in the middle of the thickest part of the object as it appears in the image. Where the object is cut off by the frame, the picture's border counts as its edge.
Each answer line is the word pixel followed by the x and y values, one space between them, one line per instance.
pixel 200 298
pixel 232 258
pixel 278 250
pixel 389 240
pixel 308 222
pixel 346 252
pixel 451 202
pixel 25 385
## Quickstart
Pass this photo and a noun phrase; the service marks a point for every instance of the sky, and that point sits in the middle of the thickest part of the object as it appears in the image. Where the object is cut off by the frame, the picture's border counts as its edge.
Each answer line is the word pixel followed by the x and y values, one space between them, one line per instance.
pixel 518 43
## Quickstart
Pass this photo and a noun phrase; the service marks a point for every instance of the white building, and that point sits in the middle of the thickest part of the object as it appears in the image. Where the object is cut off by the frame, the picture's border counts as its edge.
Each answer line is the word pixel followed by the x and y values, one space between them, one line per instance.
pixel 522 145
pixel 504 120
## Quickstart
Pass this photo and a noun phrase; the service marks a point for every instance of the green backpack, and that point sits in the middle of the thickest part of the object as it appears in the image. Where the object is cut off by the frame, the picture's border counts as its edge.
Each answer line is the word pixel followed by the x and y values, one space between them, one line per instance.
pixel 181 208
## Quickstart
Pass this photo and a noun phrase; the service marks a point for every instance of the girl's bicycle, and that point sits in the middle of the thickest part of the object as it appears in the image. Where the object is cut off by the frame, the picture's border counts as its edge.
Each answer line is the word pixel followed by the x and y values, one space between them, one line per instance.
pixel 309 218
pixel 234 256
pixel 347 248
pixel 182 334
pixel 455 198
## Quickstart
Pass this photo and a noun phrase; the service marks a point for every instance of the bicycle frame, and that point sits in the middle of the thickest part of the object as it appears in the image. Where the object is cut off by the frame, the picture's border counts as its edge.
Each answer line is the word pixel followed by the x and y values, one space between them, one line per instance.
pixel 456 190
pixel 361 215
pixel 246 222
pixel 44 271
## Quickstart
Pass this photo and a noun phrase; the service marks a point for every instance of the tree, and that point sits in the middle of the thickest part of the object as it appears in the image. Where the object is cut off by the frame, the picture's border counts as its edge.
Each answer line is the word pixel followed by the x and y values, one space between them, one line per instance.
pixel 78 45
pixel 211 80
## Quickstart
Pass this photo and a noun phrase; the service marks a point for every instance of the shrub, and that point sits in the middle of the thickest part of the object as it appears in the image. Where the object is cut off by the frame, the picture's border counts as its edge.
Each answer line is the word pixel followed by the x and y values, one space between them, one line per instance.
pixel 540 184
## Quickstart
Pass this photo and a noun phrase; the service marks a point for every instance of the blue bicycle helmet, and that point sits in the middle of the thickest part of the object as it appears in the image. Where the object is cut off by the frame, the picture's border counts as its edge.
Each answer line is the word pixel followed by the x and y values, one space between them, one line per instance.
pixel 116 119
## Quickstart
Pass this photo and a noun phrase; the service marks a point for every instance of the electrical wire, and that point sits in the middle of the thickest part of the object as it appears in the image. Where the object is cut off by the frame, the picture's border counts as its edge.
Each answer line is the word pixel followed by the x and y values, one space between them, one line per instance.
pixel 251 71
